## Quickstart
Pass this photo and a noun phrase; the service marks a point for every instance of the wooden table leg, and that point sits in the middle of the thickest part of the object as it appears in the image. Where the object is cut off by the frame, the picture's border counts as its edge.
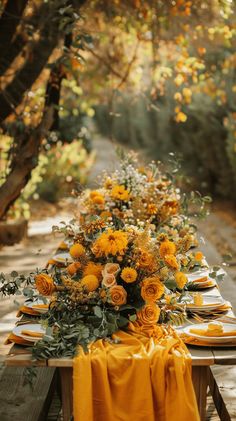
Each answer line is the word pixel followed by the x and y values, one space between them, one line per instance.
pixel 66 392
pixel 200 383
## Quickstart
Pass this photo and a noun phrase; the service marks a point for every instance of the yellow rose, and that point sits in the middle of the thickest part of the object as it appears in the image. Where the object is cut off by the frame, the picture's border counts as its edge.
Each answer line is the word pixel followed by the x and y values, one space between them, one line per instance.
pixel 109 280
pixel 77 250
pixel 129 275
pixel 152 289
pixel 171 261
pixel 44 284
pixel 73 268
pixel 180 279
pixel 167 248
pixel 118 295
pixel 90 282
pixel 149 314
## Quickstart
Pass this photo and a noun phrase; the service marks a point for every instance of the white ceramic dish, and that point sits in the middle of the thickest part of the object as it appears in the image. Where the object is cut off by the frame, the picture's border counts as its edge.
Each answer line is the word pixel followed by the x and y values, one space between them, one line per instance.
pixel 63 257
pixel 30 327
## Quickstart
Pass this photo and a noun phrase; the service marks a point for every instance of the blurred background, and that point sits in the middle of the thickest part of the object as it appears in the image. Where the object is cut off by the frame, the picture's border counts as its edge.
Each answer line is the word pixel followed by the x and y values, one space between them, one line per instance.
pixel 79 78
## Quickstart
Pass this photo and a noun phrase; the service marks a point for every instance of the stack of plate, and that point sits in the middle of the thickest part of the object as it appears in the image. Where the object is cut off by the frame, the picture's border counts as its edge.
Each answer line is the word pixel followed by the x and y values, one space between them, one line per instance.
pixel 209 305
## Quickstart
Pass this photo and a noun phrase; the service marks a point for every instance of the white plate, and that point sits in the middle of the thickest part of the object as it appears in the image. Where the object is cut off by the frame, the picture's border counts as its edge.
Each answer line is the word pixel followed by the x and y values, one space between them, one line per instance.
pixel 63 257
pixel 226 326
pixel 31 304
pixel 209 303
pixel 31 327
pixel 198 274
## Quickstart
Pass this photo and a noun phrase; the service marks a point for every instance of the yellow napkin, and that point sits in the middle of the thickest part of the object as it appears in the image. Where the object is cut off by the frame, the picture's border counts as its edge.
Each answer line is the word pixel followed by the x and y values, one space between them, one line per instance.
pixel 206 332
pixel 32 334
pixel 146 376
pixel 17 340
pixel 63 246
pixel 27 310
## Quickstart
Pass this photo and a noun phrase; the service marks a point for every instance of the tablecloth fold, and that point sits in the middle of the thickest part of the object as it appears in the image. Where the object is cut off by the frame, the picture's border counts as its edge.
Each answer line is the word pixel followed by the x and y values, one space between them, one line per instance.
pixel 144 377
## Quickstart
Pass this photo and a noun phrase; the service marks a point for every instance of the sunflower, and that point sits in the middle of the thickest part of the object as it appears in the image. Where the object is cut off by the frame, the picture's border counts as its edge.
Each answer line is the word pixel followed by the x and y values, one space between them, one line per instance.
pixel 110 243
pixel 120 193
pixel 152 209
pixel 129 275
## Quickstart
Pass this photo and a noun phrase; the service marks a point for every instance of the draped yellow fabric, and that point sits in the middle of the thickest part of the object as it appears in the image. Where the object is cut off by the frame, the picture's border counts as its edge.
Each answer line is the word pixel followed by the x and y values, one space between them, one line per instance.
pixel 142 378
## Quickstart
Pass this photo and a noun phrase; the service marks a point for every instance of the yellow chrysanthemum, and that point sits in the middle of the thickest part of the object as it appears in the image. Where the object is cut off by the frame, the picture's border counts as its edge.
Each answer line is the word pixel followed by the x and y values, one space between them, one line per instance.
pixel 129 275
pixel 97 198
pixel 93 269
pixel 152 209
pixel 167 248
pixel 110 242
pixel 180 279
pixel 91 282
pixel 77 250
pixel 171 261
pixel 120 193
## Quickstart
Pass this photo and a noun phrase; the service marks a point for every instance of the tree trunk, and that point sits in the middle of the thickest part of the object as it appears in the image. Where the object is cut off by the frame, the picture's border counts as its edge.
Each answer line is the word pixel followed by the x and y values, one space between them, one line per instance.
pixel 23 163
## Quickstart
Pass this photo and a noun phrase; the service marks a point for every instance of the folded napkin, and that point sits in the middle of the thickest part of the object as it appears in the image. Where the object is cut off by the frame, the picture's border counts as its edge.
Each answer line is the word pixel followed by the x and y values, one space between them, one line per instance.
pixel 17 340
pixel 27 310
pixel 63 246
pixel 40 306
pixel 32 334
pixel 214 333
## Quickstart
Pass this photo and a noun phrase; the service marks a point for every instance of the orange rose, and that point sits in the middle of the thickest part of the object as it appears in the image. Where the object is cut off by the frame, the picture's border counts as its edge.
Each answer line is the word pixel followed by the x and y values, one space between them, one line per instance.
pixel 149 314
pixel 111 269
pixel 90 282
pixel 44 284
pixel 118 295
pixel 152 289
pixel 109 281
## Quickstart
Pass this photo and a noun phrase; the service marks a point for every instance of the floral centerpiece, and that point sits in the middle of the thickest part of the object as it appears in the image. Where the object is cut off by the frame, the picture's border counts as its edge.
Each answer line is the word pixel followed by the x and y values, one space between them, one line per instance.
pixel 129 254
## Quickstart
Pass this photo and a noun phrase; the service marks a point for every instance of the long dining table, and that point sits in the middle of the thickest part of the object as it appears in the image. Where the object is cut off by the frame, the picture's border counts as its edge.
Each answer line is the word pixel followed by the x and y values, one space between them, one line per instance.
pixel 203 358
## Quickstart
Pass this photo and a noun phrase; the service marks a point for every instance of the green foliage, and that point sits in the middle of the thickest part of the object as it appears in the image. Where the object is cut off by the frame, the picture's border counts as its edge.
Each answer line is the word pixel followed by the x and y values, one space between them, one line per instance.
pixel 65 166
pixel 206 141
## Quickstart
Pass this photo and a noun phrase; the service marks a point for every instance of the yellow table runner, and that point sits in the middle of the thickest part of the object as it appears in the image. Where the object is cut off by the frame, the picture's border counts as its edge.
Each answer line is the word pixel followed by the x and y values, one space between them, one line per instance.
pixel 145 377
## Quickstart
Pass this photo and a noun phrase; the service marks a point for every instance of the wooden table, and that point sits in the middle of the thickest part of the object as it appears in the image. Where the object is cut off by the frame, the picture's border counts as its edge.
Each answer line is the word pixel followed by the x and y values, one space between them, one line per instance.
pixel 202 360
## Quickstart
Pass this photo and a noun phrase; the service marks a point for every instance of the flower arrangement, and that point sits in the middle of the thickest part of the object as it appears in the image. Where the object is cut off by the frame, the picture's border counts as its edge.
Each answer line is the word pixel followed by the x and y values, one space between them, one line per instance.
pixel 128 257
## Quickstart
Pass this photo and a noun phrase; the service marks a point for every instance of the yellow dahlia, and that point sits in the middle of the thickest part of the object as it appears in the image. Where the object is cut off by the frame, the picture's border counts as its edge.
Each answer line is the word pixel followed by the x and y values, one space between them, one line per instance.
pixel 110 243
pixel 120 193
pixel 167 247
pixel 129 275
